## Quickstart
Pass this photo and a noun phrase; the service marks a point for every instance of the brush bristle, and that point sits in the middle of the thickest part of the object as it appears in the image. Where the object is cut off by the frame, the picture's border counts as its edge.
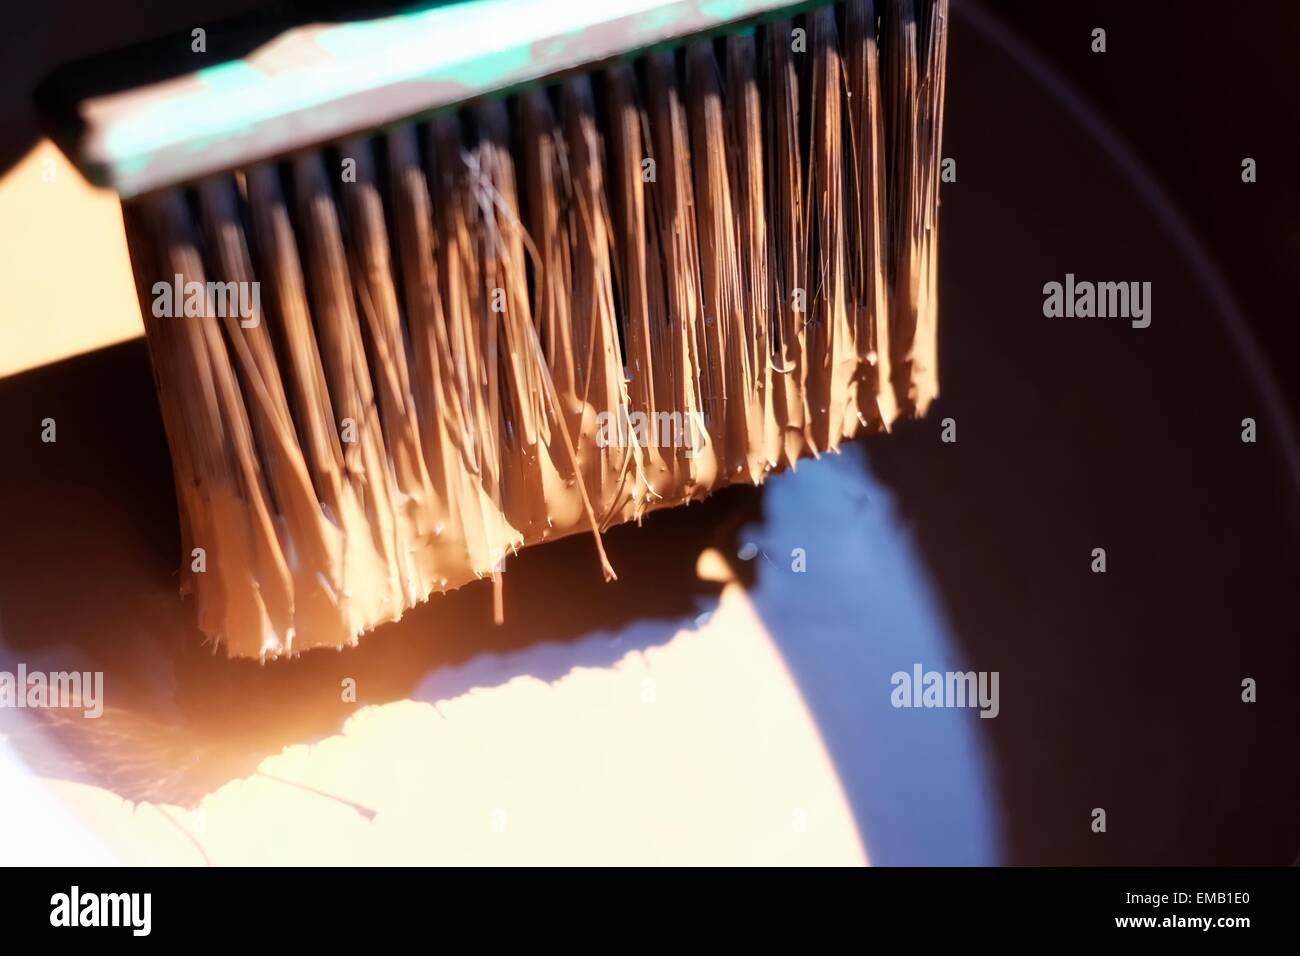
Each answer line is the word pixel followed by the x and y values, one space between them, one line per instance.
pixel 542 314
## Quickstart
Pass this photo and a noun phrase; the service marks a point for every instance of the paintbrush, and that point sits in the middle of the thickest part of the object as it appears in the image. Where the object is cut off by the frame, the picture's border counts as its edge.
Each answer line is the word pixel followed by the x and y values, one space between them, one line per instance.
pixel 422 289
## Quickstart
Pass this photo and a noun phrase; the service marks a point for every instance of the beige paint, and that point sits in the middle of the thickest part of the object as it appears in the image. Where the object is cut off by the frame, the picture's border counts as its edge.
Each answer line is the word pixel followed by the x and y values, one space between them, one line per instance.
pixel 63 264
pixel 700 750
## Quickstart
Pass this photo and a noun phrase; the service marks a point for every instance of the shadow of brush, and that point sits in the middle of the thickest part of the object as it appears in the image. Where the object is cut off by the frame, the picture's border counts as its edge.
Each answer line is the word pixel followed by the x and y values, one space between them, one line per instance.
pixel 88 582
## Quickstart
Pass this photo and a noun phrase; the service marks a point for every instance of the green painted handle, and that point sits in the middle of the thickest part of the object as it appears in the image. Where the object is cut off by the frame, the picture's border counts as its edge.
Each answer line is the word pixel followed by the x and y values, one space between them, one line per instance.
pixel 322 82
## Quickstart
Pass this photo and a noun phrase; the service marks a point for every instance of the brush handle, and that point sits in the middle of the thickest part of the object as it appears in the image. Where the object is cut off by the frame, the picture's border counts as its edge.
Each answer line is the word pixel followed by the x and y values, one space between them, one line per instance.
pixel 148 118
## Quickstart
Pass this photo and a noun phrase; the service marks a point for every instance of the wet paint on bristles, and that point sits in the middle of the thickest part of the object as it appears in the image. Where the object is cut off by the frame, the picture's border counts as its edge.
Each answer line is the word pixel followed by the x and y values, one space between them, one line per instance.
pixel 542 315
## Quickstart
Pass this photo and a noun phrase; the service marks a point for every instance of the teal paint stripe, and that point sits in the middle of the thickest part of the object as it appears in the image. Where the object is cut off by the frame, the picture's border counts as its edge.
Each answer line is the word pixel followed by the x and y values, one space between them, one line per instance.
pixel 348 78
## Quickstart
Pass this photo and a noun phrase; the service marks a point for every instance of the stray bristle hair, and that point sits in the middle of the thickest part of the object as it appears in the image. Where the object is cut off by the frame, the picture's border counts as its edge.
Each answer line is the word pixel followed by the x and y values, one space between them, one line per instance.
pixel 541 314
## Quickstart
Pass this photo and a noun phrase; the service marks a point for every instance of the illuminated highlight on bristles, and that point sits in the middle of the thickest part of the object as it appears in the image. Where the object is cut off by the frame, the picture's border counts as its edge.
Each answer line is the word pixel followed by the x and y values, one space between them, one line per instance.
pixel 739 232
